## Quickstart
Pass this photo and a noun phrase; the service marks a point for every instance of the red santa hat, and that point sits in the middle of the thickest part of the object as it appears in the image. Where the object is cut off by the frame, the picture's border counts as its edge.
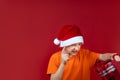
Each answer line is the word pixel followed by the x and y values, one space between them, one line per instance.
pixel 69 34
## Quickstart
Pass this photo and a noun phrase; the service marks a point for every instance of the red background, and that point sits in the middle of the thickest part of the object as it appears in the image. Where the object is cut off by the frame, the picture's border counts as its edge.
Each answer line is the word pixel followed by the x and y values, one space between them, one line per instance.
pixel 28 27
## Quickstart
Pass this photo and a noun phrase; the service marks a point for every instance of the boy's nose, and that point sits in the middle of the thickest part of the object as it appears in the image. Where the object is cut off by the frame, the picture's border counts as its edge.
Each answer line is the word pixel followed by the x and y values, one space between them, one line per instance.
pixel 76 48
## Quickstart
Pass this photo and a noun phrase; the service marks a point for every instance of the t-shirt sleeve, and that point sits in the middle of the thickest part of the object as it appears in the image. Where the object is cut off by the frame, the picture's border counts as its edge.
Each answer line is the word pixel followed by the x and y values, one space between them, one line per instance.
pixel 93 57
pixel 53 64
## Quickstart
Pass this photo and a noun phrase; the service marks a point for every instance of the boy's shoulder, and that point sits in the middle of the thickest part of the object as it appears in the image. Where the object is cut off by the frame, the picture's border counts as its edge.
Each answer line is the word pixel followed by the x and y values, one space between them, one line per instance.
pixel 56 54
pixel 84 50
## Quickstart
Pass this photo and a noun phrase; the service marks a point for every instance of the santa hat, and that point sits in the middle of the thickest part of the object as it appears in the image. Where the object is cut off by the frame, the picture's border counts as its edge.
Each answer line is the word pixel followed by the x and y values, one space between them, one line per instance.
pixel 69 34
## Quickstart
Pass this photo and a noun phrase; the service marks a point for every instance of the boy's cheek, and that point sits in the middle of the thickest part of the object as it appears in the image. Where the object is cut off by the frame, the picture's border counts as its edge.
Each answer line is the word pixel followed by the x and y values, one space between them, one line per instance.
pixel 68 51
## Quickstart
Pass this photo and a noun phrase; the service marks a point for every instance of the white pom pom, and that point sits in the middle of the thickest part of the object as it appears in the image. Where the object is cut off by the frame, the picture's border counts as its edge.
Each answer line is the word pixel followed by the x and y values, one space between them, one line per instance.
pixel 56 41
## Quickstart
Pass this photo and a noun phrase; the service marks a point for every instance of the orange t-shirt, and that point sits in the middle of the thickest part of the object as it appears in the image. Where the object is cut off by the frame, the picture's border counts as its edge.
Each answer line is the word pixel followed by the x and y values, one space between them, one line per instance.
pixel 77 68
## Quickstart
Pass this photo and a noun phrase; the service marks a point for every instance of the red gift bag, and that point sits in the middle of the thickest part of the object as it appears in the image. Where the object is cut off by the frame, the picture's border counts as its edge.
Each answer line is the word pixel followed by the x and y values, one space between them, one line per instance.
pixel 116 62
pixel 108 70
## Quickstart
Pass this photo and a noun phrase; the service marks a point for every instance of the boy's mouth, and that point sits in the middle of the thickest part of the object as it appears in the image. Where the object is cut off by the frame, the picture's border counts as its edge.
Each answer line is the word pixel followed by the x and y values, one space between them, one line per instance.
pixel 73 53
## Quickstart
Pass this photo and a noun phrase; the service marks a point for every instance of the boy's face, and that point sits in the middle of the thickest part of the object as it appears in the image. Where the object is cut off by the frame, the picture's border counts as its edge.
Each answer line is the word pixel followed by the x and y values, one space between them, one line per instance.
pixel 73 49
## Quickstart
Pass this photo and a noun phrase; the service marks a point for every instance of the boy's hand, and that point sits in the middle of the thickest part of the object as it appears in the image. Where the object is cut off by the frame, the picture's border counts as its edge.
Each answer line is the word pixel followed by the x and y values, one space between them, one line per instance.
pixel 65 56
pixel 116 57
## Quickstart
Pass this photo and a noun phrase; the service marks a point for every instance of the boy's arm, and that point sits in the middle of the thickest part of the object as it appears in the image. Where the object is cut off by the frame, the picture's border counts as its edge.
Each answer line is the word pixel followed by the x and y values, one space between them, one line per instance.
pixel 59 73
pixel 106 56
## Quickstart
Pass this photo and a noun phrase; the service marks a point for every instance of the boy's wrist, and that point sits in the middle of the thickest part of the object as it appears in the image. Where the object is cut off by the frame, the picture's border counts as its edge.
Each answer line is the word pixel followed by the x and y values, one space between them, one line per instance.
pixel 63 63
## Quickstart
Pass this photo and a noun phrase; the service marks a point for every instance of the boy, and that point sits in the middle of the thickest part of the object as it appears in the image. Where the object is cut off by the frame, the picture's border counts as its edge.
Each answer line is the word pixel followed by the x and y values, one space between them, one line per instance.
pixel 73 62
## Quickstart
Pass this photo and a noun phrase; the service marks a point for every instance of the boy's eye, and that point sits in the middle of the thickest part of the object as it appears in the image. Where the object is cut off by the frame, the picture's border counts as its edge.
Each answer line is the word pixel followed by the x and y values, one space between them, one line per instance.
pixel 79 43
